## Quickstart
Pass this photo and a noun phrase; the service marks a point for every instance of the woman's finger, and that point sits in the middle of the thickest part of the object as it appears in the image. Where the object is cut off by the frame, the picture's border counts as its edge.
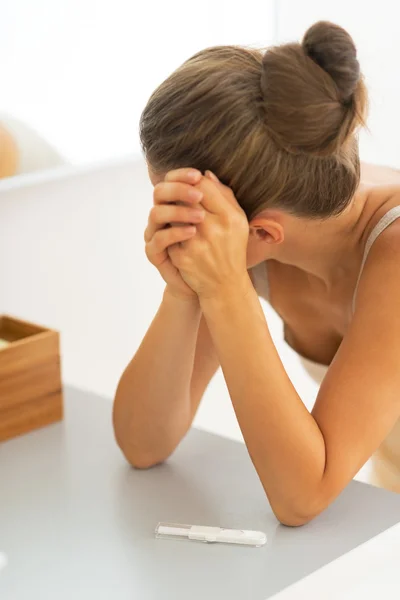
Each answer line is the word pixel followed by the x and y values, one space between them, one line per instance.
pixel 163 214
pixel 166 237
pixel 166 192
pixel 186 175
pixel 218 197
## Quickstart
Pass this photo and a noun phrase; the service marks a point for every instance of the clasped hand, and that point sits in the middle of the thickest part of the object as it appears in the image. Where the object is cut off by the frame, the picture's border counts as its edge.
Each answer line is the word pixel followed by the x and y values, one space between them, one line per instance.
pixel 213 261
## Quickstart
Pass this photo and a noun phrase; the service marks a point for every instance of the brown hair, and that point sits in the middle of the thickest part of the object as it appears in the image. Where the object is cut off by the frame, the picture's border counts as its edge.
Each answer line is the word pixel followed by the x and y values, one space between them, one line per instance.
pixel 277 126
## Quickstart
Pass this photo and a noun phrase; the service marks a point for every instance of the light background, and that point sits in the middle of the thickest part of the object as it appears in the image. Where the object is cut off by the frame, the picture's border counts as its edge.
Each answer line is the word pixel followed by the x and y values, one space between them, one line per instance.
pixel 81 71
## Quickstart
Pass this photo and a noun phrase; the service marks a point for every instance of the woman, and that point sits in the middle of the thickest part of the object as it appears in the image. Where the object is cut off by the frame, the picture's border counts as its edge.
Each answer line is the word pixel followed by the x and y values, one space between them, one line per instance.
pixel 290 218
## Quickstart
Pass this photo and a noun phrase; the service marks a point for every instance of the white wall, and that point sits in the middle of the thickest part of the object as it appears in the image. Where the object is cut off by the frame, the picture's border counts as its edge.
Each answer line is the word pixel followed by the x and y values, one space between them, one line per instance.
pixel 81 71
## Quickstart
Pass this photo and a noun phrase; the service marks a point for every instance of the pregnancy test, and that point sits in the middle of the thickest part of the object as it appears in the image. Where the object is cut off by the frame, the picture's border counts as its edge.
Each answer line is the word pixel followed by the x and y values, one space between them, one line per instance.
pixel 211 534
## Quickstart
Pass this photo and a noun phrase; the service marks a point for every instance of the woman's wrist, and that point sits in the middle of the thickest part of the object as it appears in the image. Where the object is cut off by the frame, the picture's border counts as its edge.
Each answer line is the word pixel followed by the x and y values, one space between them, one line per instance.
pixel 186 302
pixel 228 294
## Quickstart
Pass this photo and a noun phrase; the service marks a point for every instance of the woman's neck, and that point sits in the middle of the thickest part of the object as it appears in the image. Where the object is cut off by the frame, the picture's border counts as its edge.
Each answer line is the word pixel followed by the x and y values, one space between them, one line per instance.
pixel 330 249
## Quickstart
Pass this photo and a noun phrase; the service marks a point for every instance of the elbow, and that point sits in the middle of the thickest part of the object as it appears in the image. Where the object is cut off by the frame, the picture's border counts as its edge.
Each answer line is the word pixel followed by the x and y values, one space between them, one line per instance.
pixel 293 519
pixel 135 456
pixel 141 462
pixel 296 516
pixel 304 506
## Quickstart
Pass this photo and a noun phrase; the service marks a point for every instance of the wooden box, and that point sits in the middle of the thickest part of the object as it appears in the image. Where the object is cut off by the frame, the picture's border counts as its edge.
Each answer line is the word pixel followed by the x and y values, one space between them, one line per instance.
pixel 30 377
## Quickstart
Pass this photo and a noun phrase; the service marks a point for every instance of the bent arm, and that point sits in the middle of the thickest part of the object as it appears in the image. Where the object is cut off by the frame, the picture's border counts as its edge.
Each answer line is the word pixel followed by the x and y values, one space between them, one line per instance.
pixel 161 388
pixel 305 460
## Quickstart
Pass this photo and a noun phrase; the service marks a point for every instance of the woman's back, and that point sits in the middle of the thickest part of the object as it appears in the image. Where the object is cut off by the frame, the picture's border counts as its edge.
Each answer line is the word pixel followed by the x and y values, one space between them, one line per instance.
pixel 379 174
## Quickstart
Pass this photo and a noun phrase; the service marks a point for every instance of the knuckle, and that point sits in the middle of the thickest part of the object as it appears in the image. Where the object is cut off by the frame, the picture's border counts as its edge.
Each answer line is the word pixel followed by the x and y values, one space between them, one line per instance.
pixel 230 218
pixel 154 243
pixel 182 172
pixel 219 234
pixel 173 175
pixel 232 195
pixel 234 218
pixel 174 254
pixel 184 261
pixel 158 191
pixel 153 213
pixel 237 219
pixel 169 175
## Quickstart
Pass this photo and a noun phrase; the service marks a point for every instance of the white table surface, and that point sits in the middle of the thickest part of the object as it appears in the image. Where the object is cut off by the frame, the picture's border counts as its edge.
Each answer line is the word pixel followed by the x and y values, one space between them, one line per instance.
pixel 369 571
pixel 88 495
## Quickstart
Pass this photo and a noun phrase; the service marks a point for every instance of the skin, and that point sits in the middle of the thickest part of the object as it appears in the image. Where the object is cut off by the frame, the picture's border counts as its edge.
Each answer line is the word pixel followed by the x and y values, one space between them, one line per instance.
pixel 304 460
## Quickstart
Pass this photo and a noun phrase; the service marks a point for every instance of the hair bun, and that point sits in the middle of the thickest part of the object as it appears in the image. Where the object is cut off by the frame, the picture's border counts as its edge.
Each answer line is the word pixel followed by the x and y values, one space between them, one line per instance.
pixel 332 48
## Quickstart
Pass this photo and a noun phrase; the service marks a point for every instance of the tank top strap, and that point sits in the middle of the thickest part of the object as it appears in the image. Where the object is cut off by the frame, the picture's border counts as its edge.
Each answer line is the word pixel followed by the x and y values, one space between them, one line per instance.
pixel 384 222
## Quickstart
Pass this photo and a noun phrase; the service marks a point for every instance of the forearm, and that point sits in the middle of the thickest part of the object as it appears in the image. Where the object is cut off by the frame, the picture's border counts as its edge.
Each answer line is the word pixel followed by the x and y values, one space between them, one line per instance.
pixel 152 408
pixel 283 439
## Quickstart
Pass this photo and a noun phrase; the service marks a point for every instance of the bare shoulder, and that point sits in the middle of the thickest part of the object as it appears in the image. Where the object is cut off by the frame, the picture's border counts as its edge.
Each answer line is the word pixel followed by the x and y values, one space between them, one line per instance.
pixel 379 174
pixel 388 242
pixel 380 280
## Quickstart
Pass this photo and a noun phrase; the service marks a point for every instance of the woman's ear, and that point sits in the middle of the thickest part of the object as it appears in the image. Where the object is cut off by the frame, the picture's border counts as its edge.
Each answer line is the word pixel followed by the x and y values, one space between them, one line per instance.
pixel 267 230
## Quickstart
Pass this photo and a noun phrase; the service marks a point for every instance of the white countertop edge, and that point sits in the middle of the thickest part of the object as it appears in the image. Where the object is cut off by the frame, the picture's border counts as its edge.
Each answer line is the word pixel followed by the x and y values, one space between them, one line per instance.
pixel 64 171
pixel 371 568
